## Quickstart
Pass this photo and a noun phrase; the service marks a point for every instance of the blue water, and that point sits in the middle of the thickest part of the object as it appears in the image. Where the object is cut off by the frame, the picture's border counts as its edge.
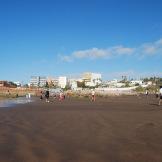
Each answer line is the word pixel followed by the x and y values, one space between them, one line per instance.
pixel 13 102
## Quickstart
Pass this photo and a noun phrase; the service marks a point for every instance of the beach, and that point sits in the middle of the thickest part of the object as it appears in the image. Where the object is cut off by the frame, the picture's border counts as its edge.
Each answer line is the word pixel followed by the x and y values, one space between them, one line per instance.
pixel 112 129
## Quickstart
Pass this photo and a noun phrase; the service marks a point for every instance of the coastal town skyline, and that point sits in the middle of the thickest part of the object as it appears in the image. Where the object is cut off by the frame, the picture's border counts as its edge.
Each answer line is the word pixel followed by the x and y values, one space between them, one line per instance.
pixel 67 38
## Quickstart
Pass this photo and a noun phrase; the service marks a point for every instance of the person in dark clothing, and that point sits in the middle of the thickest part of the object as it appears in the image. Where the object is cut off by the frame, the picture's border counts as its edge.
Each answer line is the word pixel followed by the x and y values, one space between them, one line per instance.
pixel 160 95
pixel 157 94
pixel 47 95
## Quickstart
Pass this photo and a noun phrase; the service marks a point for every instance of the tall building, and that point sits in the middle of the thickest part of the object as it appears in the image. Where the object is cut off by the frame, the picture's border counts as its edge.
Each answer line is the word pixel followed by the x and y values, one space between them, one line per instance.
pixel 52 81
pixel 34 81
pixel 62 81
pixel 92 79
pixel 42 81
pixel 37 81
pixel 73 83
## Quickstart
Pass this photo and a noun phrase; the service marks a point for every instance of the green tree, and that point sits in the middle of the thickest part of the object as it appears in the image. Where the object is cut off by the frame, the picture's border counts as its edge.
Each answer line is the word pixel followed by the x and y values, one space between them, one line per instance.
pixel 46 85
pixel 81 84
pixel 140 89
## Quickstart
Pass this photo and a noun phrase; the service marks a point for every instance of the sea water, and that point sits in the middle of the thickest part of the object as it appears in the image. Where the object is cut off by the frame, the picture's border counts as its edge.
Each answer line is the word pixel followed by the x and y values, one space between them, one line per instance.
pixel 13 102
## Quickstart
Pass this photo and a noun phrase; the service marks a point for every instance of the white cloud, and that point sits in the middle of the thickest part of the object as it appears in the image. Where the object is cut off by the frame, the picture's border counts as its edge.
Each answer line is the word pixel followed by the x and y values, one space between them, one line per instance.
pixel 65 58
pixel 120 50
pixel 144 50
pixel 91 53
pixel 96 53
pixel 150 49
pixel 159 42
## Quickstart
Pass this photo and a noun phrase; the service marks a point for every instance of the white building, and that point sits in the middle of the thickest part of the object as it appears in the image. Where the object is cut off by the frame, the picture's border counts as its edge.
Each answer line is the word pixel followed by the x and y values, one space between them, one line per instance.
pixel 133 82
pixel 42 81
pixel 62 81
pixel 34 81
pixel 115 84
pixel 149 83
pixel 38 81
pixel 73 83
pixel 92 79
pixel 52 81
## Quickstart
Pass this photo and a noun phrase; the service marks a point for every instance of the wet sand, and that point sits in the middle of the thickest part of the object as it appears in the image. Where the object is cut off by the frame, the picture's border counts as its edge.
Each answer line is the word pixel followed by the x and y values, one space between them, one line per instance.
pixel 121 129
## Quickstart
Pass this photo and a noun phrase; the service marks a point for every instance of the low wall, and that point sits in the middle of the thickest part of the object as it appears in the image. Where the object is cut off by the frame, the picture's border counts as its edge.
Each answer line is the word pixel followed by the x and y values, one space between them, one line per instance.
pixel 116 91
pixel 106 91
pixel 11 92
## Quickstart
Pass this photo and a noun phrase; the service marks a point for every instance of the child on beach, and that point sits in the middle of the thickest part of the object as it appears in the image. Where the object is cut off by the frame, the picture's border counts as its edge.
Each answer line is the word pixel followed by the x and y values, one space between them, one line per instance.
pixel 41 95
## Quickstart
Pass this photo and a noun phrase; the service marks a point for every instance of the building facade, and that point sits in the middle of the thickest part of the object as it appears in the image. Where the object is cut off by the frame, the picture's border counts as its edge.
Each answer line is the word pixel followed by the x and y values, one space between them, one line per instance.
pixel 53 81
pixel 92 79
pixel 42 81
pixel 38 81
pixel 73 83
pixel 62 81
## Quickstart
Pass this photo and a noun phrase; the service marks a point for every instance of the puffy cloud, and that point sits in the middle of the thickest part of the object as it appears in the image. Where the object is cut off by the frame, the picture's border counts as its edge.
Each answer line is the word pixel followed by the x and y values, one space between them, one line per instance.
pixel 150 49
pixel 144 50
pixel 95 53
pixel 120 50
pixel 91 53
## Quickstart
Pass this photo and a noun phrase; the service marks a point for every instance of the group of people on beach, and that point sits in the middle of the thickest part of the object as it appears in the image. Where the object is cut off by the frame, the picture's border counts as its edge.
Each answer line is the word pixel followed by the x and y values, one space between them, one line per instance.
pixel 157 93
pixel 61 96
pixel 46 94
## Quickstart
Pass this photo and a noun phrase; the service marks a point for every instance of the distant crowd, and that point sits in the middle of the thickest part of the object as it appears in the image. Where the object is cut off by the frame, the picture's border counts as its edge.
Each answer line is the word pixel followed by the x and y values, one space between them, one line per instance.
pixel 62 95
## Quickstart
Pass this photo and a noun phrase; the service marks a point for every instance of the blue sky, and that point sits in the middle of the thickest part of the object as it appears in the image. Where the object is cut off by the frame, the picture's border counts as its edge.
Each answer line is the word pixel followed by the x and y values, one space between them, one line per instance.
pixel 68 37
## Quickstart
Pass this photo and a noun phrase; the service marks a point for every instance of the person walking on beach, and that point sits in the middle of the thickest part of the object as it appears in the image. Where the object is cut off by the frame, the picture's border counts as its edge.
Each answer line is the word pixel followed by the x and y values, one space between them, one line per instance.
pixel 47 95
pixel 160 95
pixel 29 95
pixel 41 95
pixel 157 94
pixel 146 93
pixel 61 96
pixel 9 93
pixel 93 96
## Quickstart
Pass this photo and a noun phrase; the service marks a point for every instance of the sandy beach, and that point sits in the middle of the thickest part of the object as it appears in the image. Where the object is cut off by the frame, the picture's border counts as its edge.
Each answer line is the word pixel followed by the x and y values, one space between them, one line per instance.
pixel 113 129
